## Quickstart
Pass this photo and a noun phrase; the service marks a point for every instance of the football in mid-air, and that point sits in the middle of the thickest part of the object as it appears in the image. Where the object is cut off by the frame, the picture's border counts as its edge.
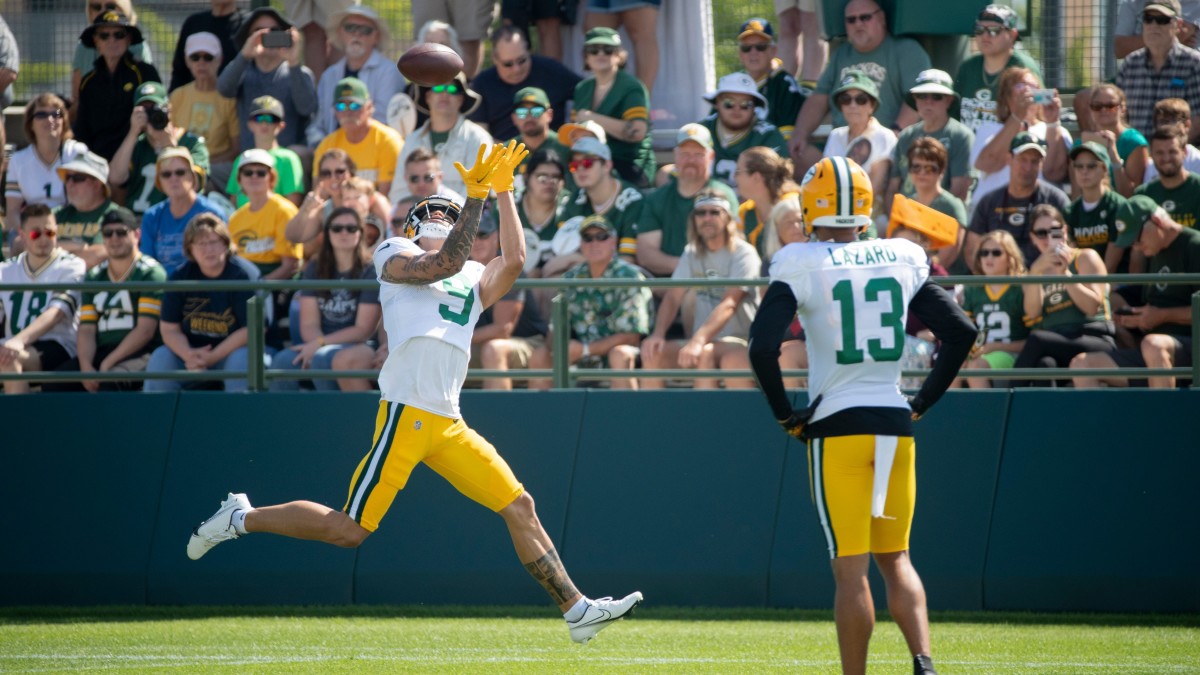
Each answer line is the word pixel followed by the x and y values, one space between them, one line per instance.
pixel 429 64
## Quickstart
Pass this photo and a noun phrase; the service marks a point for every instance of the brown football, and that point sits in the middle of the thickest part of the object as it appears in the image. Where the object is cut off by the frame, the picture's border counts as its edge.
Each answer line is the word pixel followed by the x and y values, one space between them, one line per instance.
pixel 429 64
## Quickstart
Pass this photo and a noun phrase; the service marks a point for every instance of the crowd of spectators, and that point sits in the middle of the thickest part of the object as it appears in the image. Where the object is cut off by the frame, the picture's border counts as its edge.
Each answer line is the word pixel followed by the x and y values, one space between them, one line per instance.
pixel 284 145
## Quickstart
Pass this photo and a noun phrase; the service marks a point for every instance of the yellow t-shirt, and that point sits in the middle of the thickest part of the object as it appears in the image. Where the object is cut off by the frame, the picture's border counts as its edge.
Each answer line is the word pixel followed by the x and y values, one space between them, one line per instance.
pixel 207 114
pixel 258 235
pixel 375 156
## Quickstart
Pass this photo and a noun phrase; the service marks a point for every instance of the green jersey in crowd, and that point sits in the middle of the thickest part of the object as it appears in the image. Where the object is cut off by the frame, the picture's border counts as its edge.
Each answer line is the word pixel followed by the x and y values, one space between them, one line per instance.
pixel 622 215
pixel 956 138
pixel 1094 227
pixel 784 99
pixel 1183 202
pixel 1001 315
pixel 1180 256
pixel 81 227
pixel 728 149
pixel 977 90
pixel 627 100
pixel 143 169
pixel 116 312
pixel 666 210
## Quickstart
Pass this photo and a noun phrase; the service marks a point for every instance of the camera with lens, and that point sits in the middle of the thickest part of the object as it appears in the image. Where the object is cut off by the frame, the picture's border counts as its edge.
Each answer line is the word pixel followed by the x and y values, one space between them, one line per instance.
pixel 157 118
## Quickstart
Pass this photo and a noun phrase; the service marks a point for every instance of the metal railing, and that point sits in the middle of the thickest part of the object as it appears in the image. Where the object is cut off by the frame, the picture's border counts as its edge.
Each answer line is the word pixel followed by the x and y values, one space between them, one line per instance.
pixel 562 374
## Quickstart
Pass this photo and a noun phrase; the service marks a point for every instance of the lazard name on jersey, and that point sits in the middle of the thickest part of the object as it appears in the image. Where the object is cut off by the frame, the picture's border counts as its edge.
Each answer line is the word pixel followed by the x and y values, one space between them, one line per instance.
pixel 861 255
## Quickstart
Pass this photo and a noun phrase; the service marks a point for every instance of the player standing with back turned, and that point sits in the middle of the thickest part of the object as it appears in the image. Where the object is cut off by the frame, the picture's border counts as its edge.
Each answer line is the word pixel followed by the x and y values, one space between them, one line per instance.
pixel 432 297
pixel 853 298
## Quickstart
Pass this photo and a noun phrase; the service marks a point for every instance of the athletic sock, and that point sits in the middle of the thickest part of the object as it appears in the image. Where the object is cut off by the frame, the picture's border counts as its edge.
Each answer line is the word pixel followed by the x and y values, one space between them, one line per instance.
pixel 239 521
pixel 576 612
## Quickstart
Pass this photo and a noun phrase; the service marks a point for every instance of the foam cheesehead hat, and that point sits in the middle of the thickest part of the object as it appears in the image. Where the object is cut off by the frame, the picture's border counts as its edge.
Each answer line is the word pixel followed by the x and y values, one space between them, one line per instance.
pixel 573 131
pixel 941 229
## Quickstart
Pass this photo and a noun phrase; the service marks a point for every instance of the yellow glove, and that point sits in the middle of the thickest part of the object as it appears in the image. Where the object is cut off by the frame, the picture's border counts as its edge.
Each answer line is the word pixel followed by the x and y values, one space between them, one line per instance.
pixel 479 178
pixel 502 177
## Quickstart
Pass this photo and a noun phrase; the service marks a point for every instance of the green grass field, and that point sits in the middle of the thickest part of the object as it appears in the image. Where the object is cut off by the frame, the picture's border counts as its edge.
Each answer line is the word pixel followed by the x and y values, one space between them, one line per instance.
pixel 531 640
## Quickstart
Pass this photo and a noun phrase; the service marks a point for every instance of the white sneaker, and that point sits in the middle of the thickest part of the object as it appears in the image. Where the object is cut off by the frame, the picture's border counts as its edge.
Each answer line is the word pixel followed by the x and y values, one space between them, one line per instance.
pixel 219 528
pixel 600 614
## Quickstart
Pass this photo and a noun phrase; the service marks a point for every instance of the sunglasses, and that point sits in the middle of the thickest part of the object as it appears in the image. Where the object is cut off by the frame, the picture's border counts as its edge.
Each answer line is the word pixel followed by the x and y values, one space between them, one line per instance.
pixel 201 56
pixel 991 31
pixel 855 18
pixel 1042 234
pixel 519 61
pixel 427 178
pixel 589 238
pixel 77 177
pixel 358 28
pixel 1156 18
pixel 761 47
pixel 118 232
pixel 452 89
pixel 96 6
pixel 48 115
pixel 585 163
pixel 526 113
pixel 592 50
pixel 105 36
pixel 990 252
pixel 1097 107
pixel 923 168
pixel 329 173
pixel 343 106
pixel 338 228
pixel 730 104
pixel 547 178
pixel 928 97
pixel 858 99
pixel 177 173
pixel 708 213
pixel 266 119
pixel 254 173
pixel 1086 166
pixel 34 235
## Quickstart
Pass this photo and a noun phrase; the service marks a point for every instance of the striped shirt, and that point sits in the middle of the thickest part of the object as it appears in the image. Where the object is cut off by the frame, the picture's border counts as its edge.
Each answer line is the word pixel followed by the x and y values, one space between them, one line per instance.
pixel 1144 86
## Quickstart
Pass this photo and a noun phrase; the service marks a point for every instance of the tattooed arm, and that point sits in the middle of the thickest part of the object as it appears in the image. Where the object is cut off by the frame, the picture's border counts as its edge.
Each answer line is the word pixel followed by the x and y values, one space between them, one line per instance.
pixel 430 266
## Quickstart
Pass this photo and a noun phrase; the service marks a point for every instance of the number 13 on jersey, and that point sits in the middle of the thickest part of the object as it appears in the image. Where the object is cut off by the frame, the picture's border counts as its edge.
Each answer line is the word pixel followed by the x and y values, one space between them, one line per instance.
pixel 880 301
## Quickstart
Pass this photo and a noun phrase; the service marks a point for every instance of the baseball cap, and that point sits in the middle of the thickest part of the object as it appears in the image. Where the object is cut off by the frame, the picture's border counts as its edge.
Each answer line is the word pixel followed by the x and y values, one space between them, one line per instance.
pixel 596 221
pixel 1168 7
pixel 256 156
pixel 532 95
pixel 120 216
pixel 267 105
pixel 1096 149
pixel 602 36
pixel 1025 141
pixel 1000 14
pixel 857 79
pixel 1132 217
pixel 88 164
pixel 736 83
pixel 202 42
pixel 151 91
pixel 570 132
pixel 756 26
pixel 592 146
pixel 697 133
pixel 351 89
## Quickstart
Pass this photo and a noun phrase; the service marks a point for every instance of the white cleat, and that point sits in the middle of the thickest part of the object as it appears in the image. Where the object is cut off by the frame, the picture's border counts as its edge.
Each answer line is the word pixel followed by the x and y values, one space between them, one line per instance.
pixel 600 614
pixel 219 528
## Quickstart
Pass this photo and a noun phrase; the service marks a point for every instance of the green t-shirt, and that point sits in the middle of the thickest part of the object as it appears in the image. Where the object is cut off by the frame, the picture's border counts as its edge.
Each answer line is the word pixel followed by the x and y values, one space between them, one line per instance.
pixel 143 170
pixel 287 167
pixel 622 215
pixel 1183 255
pixel 1094 228
pixel 437 139
pixel 666 210
pixel 725 163
pixel 893 66
pixel 955 136
pixel 627 100
pixel 1001 315
pixel 81 227
pixel 1183 202
pixel 784 100
pixel 977 90
pixel 115 313
pixel 1060 311
pixel 952 206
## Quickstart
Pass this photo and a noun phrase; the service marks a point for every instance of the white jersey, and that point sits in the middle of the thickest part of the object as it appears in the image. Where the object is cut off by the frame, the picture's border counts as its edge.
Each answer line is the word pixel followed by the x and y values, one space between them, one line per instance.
pixel 20 308
pixel 429 331
pixel 35 181
pixel 853 303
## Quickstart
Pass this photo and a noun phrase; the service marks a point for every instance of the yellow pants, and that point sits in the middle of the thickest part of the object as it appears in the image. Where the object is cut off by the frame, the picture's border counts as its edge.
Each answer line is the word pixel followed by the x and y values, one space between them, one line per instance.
pixel 404 436
pixel 842 478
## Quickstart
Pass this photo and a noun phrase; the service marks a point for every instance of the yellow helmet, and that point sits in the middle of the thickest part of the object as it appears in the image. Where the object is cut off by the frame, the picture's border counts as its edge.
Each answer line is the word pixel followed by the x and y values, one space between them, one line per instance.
pixel 836 192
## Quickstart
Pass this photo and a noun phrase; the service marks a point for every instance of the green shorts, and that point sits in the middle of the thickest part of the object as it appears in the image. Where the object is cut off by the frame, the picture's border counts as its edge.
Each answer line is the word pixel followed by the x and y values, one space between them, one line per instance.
pixel 1000 359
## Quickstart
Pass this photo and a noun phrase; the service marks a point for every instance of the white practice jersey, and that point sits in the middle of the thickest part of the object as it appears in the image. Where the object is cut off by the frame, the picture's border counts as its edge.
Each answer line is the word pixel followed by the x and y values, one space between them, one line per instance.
pixel 20 308
pixel 429 331
pixel 853 303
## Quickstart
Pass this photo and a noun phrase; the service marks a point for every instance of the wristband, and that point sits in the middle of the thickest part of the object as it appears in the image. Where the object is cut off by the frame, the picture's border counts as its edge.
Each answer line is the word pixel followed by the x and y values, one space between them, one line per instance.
pixel 587 351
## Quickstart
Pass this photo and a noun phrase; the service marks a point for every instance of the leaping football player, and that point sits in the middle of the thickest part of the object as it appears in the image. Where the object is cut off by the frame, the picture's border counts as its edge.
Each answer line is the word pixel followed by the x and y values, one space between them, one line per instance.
pixel 853 298
pixel 432 296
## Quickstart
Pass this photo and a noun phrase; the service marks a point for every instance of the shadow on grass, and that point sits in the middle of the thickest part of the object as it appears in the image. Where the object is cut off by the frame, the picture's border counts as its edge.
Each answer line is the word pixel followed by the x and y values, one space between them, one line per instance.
pixel 125 614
